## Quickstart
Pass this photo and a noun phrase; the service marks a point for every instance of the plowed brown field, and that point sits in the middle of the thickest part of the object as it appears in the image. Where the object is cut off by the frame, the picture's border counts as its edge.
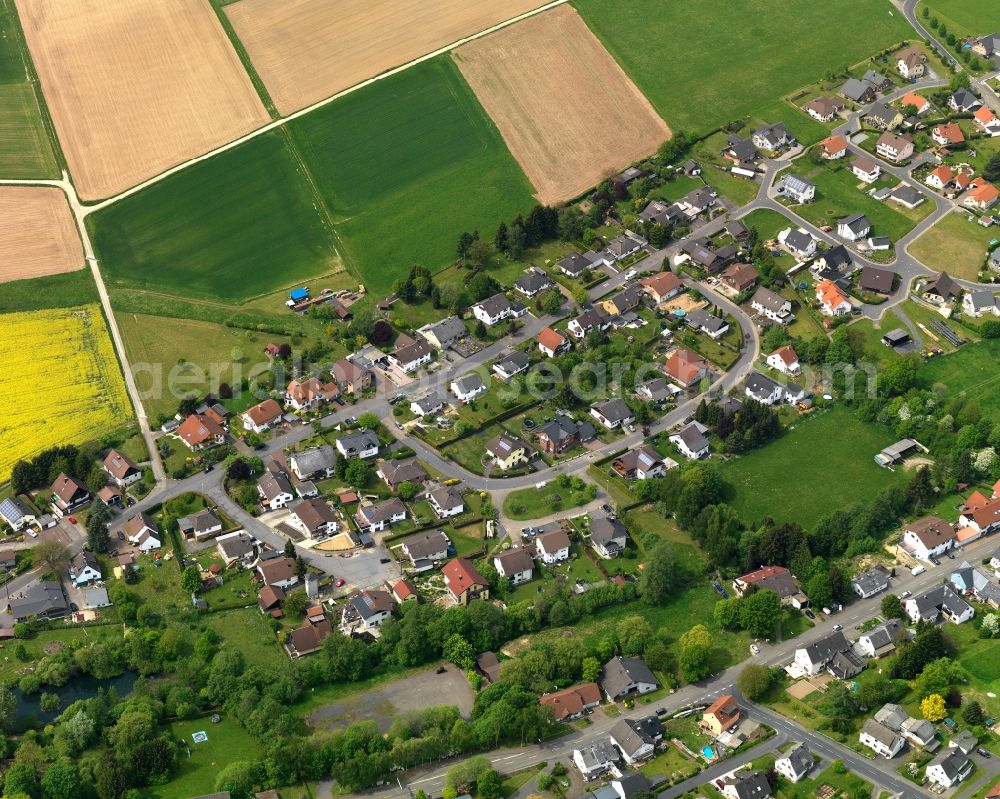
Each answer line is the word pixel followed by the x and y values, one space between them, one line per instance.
pixel 567 111
pixel 37 234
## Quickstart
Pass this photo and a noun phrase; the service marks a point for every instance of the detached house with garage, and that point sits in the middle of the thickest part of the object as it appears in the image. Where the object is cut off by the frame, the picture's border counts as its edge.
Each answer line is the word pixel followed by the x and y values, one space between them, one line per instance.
pixel 949 768
pixel 468 387
pixel 872 582
pixel 262 416
pixel 496 309
pixel 722 715
pixel 506 452
pixel 608 537
pixel 662 286
pixel 551 342
pixel 832 301
pixel 200 432
pixel 358 444
pixel 511 365
pixel 622 677
pixel 796 764
pixel 785 360
pixel 854 227
pixel 552 547
pixel 380 516
pixel 84 568
pixel 763 389
pixel 772 306
pixel 833 654
pixel 798 241
pixel 613 413
pixel 692 441
pixel 636 739
pixel 927 538
pixel 911 63
pixel 515 565
pixel 686 367
pixel 121 469
pixel 463 583
pixel 446 502
pixel 940 603
pixel 141 530
pixel 587 322
pixel 68 494
pixel 880 739
pixel 573 702
pixel 798 189
pixel 825 108
pixel 410 355
pixel 16 513
pixel 314 517
pixel 642 463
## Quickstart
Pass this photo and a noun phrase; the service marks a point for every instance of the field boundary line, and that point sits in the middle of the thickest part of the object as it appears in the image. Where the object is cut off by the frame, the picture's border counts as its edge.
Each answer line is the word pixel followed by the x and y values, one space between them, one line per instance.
pixel 86 210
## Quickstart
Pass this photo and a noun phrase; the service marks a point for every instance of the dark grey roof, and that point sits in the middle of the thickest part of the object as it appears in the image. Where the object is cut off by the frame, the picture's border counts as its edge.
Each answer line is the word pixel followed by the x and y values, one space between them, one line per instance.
pixel 872 581
pixel 45 599
pixel 469 383
pixel 965 100
pixel 858 224
pixel 749 785
pixel 882 112
pixel 943 285
pixel 428 403
pixel 880 733
pixel 358 440
pixel 876 279
pixel 614 410
pixel 693 438
pixel 761 387
pixel 272 485
pixel 424 545
pixel 768 299
pixel 620 672
pixel 532 282
pixel 801 759
pixel 823 650
pixel 798 239
pixel 907 194
pixel 701 319
pixel 515 362
pixel 604 530
pixel 383 511
pixel 982 298
pixel 316 459
pixel 952 762
pixel 941 596
pixel 449 330
pixel 743 149
pixel 495 305
pixel 856 89
pixel 13 509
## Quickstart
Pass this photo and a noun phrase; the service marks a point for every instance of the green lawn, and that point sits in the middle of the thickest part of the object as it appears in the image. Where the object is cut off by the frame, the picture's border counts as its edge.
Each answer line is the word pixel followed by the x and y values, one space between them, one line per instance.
pixel 963 17
pixel 243 223
pixel 801 476
pixel 53 291
pixel 407 164
pixel 246 630
pixel 955 244
pixel 715 171
pixel 768 223
pixel 837 195
pixel 11 668
pixel 922 314
pixel 871 337
pixel 196 775
pixel 25 147
pixel 807 130
pixel 850 784
pixel 971 370
pixel 531 503
pixel 704 64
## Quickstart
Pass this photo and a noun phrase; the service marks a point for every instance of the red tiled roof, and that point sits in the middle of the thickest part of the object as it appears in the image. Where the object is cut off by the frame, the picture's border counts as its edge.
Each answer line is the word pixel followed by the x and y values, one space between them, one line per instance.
pixel 684 364
pixel 264 412
pixel 662 283
pixel 551 339
pixel 787 354
pixel 571 701
pixel 198 429
pixel 460 575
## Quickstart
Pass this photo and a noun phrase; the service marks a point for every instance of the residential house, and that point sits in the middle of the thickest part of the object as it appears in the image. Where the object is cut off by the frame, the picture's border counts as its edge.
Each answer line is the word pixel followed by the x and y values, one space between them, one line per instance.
pixel 637 738
pixel 832 301
pixel 798 188
pixel 463 583
pixel 795 764
pixel 427 405
pixel 858 91
pixel 878 82
pixel 628 299
pixel 200 526
pixel 381 515
pixel 686 367
pixel 365 611
pixel 712 326
pixel 315 463
pixel 964 741
pixel 613 413
pixel 445 333
pixel 911 63
pixel 446 501
pixel 948 769
pixel 533 282
pixel 771 578
pixel 595 757
pixel 880 739
pixel 351 378
pixel 832 653
pixel 396 472
pixel 16 513
pixel 551 342
pixel 573 702
pixel 906 196
pixel 798 241
pixel 511 365
pixel 702 253
pixel 785 360
pixel 515 564
pixel 941 288
pixel 927 537
pixel 722 715
pixel 662 286
pixel 739 277
pixel 308 638
pixel 834 259
pixel 987 46
pixel 697 202
pixel 940 177
pixel 587 322
pixel 608 536
pixel 763 389
pixel 275 490
pixel 866 168
pixel 405 591
pixel 199 432
pixel 986 121
pixel 981 196
pixel 410 355
pixel 262 416
pixel 84 568
pixel 833 148
pixel 980 514
pixel 236 548
pixel 971 581
pixel 315 517
pixel 358 444
pixel 552 547
pixel 623 246
pixel 575 264
pixel 964 101
pixel 881 641
pixel 562 434
pixel 746 785
pixel 642 463
pixel 659 212
pixel 772 306
pixel 657 390
pixel 141 531
pixel 872 582
pixel 880 115
pixel 121 469
pixel 853 227
pixel 878 280
pixel 979 302
pixel 468 387
pixel 938 603
pixel 692 441
pixel 622 677
pixel 742 152
pixel 894 147
pixel 68 494
pixel 42 600
pixel 311 393
pixel 736 230
pixel 425 548
pixel 772 137
pixel 506 452
pixel 278 572
pixel 947 134
pixel 110 496
pixel 824 108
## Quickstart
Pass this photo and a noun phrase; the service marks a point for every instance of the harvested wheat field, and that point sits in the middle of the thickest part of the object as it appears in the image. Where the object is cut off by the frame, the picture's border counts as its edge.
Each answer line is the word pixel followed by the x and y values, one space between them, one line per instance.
pixel 137 86
pixel 37 234
pixel 567 111
pixel 307 50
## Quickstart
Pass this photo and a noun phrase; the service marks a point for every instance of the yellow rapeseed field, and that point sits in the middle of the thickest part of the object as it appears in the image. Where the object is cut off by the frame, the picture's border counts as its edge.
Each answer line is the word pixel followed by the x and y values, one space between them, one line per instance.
pixel 60 383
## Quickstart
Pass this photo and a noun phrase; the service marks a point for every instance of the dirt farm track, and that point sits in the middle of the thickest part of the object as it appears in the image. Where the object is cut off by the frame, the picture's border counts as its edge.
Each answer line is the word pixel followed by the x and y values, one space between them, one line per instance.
pixel 307 50
pixel 37 234
pixel 137 86
pixel 569 114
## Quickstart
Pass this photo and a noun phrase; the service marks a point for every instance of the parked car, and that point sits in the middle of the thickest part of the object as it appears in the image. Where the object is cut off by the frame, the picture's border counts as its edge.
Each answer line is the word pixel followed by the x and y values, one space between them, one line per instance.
pixel 754 649
pixel 385 560
pixel 984 752
pixel 837 628
pixel 121 536
pixel 340 582
pixel 72 520
pixel 809 614
pixel 905 594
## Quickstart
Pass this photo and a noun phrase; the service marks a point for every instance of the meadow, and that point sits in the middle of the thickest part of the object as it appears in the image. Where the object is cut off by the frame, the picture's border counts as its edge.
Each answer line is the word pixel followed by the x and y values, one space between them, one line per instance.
pixel 803 476
pixel 25 147
pixel 953 243
pixel 407 164
pixel 52 291
pixel 704 64
pixel 964 17
pixel 68 352
pixel 243 223
pixel 971 371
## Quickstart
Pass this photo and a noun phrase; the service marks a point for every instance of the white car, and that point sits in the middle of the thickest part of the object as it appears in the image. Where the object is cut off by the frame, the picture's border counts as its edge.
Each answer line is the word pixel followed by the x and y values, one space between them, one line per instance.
pixel 631 273
pixel 754 649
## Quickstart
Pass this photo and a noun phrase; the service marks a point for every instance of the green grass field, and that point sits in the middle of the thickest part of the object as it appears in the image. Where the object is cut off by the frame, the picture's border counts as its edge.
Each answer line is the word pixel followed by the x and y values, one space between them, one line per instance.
pixel 407 164
pixel 801 477
pixel 837 196
pixel 806 129
pixel 25 148
pixel 243 223
pixel 704 64
pixel 972 371
pixel 246 630
pixel 964 17
pixel 955 244
pixel 53 291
